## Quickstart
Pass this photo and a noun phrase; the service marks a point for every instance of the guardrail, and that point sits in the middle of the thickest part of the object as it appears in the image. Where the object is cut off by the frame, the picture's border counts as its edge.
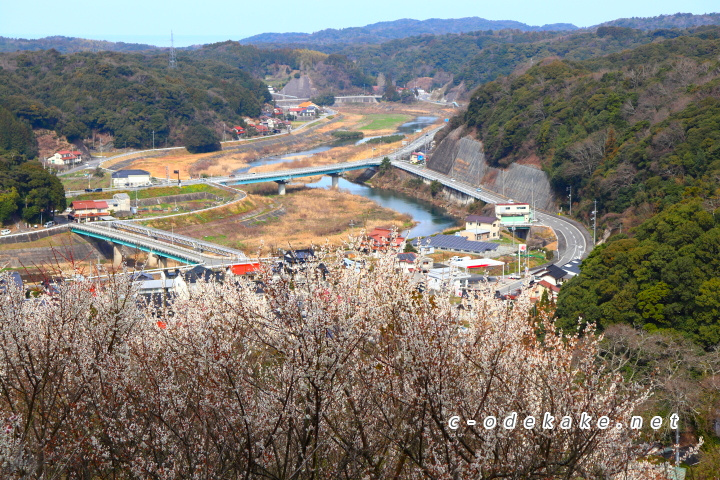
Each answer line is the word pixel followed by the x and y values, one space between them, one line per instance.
pixel 104 232
pixel 195 244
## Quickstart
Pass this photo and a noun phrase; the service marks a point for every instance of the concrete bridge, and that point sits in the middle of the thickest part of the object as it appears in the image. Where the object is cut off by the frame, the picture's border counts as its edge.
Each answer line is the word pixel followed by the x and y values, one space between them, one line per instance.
pixel 574 241
pixel 358 99
pixel 159 244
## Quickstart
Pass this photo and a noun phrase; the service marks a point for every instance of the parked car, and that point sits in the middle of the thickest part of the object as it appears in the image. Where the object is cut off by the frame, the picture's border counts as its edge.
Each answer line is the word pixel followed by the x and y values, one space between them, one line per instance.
pixel 5 231
pixel 88 190
pixel 514 276
pixel 98 190
pixel 48 224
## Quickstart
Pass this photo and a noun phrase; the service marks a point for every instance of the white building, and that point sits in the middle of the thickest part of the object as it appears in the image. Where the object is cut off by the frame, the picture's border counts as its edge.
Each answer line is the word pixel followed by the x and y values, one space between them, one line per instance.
pixel 119 203
pixel 130 178
pixel 513 213
pixel 65 157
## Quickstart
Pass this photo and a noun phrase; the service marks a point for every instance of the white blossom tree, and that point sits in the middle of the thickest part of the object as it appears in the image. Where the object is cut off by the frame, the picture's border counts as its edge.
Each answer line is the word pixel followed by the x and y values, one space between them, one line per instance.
pixel 328 373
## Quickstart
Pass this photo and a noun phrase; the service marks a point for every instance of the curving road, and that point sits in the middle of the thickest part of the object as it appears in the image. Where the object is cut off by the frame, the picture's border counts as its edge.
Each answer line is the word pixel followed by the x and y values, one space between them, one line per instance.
pixel 574 241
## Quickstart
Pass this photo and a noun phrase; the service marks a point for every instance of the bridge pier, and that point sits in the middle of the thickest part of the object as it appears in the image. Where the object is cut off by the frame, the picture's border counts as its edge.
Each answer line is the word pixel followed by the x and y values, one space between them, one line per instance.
pixel 152 260
pixel 335 181
pixel 117 256
pixel 281 186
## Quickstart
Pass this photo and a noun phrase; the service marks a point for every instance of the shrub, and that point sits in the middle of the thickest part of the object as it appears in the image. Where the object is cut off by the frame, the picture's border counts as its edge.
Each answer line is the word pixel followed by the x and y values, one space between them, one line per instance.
pixel 200 139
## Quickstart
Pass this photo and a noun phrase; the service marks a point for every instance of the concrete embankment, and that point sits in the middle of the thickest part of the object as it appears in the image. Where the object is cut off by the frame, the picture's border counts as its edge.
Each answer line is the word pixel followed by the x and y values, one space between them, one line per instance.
pixel 65 248
pixel 463 157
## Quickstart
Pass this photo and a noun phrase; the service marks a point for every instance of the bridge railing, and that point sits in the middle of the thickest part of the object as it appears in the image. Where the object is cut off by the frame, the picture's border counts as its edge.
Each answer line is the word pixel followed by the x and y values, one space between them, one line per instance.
pixel 139 240
pixel 194 243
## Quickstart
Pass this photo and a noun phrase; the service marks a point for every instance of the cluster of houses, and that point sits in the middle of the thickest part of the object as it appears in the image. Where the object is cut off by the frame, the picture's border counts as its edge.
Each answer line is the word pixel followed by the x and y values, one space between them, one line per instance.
pixel 276 120
pixel 549 279
pixel 305 110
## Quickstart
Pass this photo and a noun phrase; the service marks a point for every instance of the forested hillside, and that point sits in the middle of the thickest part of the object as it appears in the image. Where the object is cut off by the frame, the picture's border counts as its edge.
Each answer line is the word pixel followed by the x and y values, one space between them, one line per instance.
pixel 126 95
pixel 470 59
pixel 479 57
pixel 678 20
pixel 638 131
pixel 332 73
pixel 69 45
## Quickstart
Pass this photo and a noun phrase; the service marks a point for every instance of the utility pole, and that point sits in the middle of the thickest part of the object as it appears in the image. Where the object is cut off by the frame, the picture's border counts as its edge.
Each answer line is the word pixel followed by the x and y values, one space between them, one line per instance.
pixel 153 139
pixel 532 213
pixel 570 197
pixel 595 224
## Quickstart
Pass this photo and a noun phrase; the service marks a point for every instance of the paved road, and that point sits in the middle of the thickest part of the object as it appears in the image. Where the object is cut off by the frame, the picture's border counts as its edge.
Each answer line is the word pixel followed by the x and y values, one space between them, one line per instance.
pixel 97 161
pixel 573 240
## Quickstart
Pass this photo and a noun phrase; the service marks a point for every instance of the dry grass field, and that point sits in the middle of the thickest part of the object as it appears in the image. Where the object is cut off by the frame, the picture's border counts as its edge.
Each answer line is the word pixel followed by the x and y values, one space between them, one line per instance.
pixel 308 217
pixel 374 120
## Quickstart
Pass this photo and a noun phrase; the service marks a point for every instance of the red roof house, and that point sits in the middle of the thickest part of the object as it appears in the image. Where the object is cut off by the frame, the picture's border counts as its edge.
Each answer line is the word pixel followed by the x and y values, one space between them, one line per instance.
pixel 382 238
pixel 88 210
pixel 244 268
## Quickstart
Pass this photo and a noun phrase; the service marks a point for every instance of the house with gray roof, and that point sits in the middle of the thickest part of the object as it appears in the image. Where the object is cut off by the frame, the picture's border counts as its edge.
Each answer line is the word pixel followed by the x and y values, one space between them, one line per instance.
pixel 130 178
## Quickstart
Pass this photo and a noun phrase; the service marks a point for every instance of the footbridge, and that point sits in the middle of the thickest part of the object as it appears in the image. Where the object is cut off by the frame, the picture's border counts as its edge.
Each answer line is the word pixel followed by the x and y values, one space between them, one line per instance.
pixel 159 244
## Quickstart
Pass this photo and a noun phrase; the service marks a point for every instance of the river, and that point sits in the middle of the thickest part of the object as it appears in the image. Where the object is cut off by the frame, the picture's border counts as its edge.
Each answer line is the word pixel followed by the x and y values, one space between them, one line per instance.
pixel 430 219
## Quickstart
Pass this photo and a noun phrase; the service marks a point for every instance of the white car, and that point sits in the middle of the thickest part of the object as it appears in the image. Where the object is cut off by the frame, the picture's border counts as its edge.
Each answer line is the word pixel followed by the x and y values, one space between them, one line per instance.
pixel 5 231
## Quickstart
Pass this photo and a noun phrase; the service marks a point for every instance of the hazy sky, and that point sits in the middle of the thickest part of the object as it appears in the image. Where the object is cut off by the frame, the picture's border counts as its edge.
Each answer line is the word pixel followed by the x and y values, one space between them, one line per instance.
pixel 204 21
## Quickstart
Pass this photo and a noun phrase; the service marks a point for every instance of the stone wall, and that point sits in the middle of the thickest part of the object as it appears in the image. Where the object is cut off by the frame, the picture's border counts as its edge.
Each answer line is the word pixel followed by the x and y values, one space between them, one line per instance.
pixel 33 235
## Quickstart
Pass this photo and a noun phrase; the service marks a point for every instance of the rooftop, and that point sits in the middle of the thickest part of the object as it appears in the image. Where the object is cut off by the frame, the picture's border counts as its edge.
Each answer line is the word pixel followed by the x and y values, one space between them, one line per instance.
pixel 480 219
pixel 455 243
pixel 127 173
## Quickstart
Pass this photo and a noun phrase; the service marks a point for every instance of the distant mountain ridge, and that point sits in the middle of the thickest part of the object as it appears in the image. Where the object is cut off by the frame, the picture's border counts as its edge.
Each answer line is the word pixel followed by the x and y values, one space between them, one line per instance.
pixel 406 27
pixel 70 45
pixel 678 20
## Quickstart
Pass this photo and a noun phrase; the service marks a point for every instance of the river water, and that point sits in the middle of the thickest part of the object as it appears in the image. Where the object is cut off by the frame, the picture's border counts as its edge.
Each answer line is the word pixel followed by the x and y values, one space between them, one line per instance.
pixel 430 219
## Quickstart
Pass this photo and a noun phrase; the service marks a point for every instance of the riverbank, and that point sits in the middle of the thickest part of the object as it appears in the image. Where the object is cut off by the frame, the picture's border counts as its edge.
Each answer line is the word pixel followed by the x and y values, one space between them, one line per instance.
pixel 374 120
pixel 301 218
pixel 408 184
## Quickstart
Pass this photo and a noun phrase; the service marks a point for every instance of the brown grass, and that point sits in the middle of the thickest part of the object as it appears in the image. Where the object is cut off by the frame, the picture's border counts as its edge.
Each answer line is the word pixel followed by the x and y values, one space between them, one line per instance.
pixel 351 118
pixel 47 242
pixel 312 217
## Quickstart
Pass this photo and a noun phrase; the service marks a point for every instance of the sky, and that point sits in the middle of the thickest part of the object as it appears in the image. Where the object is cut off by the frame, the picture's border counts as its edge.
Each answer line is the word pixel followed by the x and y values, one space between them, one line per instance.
pixel 207 21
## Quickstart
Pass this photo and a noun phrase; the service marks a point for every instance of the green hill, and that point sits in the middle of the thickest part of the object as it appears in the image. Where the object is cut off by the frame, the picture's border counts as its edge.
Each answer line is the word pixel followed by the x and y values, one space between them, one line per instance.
pixel 638 131
pixel 126 95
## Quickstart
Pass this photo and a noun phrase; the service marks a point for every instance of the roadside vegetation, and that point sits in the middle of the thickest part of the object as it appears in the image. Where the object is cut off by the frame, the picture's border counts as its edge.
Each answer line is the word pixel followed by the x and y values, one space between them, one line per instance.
pixel 158 192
